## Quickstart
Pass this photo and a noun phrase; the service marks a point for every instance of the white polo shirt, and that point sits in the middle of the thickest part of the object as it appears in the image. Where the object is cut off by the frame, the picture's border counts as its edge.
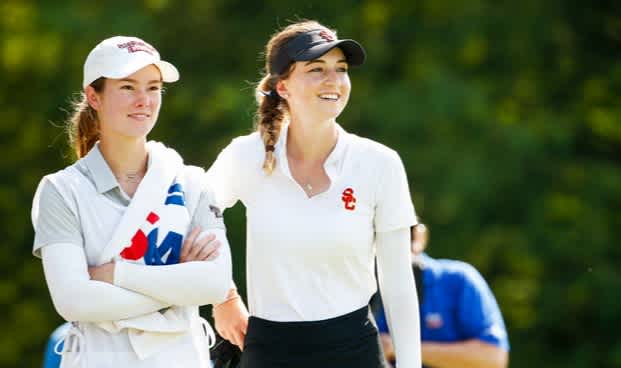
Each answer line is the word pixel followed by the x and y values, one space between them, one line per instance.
pixel 312 258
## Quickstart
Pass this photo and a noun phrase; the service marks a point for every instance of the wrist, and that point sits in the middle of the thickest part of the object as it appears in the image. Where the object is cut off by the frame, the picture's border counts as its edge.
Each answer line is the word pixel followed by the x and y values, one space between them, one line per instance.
pixel 232 295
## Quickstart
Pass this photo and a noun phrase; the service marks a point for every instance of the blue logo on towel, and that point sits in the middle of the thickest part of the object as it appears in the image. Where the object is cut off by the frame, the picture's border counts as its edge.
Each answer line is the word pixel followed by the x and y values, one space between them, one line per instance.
pixel 169 251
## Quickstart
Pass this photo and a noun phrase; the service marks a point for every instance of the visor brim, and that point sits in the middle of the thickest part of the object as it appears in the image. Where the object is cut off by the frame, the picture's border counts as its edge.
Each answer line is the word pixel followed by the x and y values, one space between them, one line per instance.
pixel 354 52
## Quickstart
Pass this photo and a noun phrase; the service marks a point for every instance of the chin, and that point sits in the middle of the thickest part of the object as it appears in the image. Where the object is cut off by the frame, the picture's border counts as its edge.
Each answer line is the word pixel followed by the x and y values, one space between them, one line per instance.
pixel 140 132
pixel 332 115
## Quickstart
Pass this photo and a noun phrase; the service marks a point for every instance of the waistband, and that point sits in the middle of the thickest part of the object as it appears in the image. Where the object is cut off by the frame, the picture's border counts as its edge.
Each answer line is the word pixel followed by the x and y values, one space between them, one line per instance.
pixel 353 324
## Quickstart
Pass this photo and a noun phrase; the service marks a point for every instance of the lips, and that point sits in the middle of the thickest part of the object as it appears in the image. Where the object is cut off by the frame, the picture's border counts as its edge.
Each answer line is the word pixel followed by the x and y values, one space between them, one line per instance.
pixel 329 96
pixel 139 116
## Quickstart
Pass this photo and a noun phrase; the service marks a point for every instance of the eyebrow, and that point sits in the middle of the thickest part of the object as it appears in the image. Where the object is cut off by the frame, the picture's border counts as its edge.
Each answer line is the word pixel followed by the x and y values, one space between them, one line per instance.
pixel 135 81
pixel 322 61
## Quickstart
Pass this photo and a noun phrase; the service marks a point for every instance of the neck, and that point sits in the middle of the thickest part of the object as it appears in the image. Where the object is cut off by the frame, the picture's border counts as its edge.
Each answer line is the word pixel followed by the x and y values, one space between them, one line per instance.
pixel 311 141
pixel 125 157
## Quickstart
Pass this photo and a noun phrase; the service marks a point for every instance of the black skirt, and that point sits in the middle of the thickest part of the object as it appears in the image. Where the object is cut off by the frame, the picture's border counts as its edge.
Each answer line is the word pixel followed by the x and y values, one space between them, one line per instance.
pixel 346 341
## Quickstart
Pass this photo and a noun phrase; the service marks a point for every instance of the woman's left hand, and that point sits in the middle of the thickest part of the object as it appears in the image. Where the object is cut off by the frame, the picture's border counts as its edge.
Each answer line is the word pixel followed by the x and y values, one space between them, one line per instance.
pixel 199 248
pixel 103 273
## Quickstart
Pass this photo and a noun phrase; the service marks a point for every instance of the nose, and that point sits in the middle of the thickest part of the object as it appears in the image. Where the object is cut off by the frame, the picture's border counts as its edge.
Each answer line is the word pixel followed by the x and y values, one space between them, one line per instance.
pixel 332 77
pixel 142 99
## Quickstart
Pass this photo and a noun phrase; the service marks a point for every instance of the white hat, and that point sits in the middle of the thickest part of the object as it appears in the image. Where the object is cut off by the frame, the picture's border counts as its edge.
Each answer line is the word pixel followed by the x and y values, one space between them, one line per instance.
pixel 119 56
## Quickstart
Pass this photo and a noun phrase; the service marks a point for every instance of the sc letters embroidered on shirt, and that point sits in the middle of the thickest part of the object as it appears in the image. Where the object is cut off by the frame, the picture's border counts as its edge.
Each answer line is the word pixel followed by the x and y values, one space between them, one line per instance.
pixel 144 243
pixel 349 199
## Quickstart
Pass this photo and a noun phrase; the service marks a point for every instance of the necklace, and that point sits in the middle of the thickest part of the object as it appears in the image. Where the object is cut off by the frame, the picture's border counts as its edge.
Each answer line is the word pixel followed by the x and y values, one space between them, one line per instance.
pixel 130 177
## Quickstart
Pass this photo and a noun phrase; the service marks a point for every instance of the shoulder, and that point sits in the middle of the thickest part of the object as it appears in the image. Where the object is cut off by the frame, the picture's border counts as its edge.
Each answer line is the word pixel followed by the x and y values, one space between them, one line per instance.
pixel 372 150
pixel 244 151
pixel 55 202
pixel 68 175
pixel 60 182
pixel 458 273
pixel 250 144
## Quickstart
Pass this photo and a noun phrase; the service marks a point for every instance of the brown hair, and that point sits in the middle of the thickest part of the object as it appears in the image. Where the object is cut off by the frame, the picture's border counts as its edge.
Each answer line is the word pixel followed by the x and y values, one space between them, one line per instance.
pixel 83 125
pixel 272 108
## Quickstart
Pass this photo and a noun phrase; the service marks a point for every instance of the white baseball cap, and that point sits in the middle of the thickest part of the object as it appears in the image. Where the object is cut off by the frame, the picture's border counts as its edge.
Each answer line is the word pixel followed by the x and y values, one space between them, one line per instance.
pixel 120 56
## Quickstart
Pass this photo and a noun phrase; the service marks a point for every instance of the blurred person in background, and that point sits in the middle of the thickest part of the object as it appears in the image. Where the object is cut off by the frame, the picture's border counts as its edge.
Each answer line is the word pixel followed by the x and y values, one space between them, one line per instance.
pixel 54 346
pixel 321 205
pixel 461 323
pixel 111 228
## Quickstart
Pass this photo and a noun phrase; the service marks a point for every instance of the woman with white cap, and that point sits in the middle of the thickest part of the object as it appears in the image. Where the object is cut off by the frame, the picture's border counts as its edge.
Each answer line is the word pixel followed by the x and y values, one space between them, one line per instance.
pixel 125 206
pixel 321 205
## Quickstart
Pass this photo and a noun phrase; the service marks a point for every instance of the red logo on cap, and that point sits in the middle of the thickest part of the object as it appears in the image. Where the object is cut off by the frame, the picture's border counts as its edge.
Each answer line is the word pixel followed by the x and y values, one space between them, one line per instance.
pixel 135 46
pixel 327 36
pixel 349 199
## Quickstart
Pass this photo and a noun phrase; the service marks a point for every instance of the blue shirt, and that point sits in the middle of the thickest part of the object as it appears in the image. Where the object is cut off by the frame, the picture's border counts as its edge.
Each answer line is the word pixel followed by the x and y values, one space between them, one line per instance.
pixel 457 305
pixel 51 359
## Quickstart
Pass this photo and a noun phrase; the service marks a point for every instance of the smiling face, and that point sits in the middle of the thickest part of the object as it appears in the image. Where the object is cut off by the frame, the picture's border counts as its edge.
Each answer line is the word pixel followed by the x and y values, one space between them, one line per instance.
pixel 317 89
pixel 128 108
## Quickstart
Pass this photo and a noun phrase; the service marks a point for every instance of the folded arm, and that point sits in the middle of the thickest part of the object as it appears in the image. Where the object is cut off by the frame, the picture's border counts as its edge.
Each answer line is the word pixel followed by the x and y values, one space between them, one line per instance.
pixel 78 298
pixel 189 283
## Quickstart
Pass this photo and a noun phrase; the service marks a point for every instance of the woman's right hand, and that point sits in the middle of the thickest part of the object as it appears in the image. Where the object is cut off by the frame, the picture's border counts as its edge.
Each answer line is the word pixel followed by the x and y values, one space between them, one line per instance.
pixel 199 248
pixel 231 318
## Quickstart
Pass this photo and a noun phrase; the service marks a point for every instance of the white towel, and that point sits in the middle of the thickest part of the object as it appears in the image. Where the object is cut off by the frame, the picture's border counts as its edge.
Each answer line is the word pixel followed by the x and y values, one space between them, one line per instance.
pixel 157 209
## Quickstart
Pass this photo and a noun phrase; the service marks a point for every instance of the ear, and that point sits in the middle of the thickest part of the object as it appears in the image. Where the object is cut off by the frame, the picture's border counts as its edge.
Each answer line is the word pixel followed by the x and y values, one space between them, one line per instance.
pixel 93 98
pixel 281 88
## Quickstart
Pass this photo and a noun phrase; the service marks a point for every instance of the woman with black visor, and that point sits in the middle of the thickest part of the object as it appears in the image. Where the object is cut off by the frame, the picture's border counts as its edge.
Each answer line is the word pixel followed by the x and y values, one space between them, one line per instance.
pixel 321 205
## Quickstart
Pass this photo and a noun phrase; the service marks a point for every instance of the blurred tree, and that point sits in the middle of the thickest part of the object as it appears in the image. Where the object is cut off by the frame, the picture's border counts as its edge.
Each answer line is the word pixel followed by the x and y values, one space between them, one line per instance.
pixel 506 116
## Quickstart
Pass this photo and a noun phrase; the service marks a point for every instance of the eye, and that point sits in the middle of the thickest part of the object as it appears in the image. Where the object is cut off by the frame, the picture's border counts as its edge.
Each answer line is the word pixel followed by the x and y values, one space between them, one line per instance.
pixel 316 70
pixel 128 87
pixel 342 69
pixel 155 88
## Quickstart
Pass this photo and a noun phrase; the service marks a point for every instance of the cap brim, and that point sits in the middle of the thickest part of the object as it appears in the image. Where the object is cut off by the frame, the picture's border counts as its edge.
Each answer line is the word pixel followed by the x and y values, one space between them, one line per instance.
pixel 354 53
pixel 167 70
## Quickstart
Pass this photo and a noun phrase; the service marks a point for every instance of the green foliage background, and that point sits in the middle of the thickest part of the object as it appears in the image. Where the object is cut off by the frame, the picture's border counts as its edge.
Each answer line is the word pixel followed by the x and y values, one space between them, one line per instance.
pixel 506 115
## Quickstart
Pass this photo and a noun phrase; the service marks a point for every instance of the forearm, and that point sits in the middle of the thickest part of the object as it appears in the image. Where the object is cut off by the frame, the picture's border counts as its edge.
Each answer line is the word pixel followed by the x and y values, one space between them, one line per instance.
pixel 78 298
pixel 399 296
pixel 471 353
pixel 189 283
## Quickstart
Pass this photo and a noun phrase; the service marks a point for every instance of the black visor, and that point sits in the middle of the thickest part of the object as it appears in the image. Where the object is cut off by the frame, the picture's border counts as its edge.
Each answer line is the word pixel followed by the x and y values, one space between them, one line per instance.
pixel 311 45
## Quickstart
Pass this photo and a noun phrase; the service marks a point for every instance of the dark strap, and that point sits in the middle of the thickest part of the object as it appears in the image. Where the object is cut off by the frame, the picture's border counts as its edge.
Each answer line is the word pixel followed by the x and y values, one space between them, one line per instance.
pixel 418 279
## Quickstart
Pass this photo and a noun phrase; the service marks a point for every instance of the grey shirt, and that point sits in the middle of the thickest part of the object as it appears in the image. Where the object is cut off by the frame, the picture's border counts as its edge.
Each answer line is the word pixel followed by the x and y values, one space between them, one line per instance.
pixel 56 223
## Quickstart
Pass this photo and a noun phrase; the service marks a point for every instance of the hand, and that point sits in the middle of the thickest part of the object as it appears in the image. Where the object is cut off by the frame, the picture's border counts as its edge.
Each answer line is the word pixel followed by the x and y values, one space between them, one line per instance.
pixel 231 319
pixel 104 273
pixel 199 247
pixel 387 347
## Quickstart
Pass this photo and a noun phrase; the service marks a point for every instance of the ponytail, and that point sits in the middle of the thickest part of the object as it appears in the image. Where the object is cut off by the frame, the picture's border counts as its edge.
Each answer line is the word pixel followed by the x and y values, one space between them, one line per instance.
pixel 272 108
pixel 269 118
pixel 83 125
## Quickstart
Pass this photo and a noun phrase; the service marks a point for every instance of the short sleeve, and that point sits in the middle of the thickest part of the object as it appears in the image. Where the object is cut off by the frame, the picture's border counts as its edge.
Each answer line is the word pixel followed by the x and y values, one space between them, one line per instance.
pixel 394 209
pixel 52 218
pixel 479 314
pixel 221 178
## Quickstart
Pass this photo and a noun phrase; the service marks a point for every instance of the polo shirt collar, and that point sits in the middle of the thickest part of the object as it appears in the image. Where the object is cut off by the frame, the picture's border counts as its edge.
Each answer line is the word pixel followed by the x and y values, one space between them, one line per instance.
pixel 100 171
pixel 335 158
